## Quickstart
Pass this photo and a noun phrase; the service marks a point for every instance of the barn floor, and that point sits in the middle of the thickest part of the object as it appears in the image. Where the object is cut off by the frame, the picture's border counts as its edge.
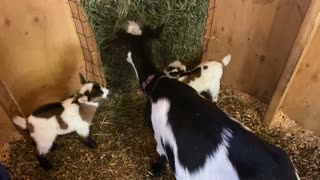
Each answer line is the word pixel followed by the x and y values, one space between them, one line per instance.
pixel 126 147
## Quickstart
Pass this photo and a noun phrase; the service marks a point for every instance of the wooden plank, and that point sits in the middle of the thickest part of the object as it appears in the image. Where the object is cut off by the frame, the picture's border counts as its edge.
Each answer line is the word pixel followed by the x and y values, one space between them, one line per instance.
pixel 302 101
pixel 306 33
pixel 40 60
pixel 6 127
pixel 259 34
pixel 11 108
pixel 303 6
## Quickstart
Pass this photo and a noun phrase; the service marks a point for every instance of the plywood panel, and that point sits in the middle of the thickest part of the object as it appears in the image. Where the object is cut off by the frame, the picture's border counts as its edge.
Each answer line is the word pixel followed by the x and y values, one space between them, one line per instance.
pixel 302 102
pixel 306 33
pixel 10 109
pixel 88 43
pixel 40 51
pixel 259 34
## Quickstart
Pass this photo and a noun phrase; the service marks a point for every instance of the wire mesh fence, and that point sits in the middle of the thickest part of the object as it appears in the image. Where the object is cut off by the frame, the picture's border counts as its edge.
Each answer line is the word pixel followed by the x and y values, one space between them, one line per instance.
pixel 207 34
pixel 92 60
pixel 93 66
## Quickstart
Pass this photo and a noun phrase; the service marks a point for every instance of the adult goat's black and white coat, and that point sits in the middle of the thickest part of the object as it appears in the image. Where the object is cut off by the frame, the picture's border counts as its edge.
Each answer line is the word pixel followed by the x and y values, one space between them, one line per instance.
pixel 197 138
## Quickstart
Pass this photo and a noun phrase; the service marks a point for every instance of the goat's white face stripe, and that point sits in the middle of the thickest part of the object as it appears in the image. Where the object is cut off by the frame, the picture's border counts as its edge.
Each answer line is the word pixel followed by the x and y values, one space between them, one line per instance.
pixel 134 28
pixel 105 92
pixel 129 59
pixel 178 65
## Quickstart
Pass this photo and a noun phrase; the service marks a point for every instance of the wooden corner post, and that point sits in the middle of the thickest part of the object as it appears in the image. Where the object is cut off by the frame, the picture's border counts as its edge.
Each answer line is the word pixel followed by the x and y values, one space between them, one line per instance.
pixel 302 42
pixel 11 108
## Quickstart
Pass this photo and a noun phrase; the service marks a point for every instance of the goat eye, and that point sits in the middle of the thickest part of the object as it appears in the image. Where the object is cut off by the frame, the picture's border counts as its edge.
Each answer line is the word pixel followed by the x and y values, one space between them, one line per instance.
pixel 170 68
pixel 173 73
pixel 87 93
pixel 97 92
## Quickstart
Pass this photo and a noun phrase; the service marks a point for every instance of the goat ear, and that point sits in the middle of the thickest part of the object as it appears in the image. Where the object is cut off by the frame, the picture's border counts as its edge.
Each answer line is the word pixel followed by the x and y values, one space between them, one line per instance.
pixel 156 33
pixel 124 26
pixel 82 79
pixel 140 23
pixel 83 99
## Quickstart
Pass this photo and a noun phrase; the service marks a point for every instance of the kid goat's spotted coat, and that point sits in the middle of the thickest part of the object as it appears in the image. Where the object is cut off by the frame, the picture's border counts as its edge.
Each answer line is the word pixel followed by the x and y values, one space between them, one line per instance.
pixel 73 114
pixel 205 78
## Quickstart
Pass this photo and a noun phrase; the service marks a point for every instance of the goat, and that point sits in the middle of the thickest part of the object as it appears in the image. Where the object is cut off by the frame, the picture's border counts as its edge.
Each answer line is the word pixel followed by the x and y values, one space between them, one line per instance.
pixel 205 78
pixel 175 69
pixel 73 114
pixel 196 137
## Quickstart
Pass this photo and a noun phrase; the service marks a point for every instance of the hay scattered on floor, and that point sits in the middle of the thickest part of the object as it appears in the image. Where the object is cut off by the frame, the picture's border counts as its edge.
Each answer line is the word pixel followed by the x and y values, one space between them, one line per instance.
pixel 126 147
pixel 301 145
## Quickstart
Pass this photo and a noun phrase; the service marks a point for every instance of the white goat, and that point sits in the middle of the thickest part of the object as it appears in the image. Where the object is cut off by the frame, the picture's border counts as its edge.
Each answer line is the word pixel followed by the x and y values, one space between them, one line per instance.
pixel 73 114
pixel 205 78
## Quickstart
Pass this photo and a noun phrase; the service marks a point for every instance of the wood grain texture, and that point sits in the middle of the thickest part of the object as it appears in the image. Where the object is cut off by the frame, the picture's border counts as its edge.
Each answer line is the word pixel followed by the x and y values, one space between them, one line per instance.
pixel 39 50
pixel 302 101
pixel 6 127
pixel 8 109
pixel 306 33
pixel 259 34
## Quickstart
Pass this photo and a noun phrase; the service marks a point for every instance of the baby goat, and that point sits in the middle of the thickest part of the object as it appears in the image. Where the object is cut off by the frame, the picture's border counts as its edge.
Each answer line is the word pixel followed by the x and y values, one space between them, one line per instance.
pixel 72 114
pixel 194 135
pixel 205 78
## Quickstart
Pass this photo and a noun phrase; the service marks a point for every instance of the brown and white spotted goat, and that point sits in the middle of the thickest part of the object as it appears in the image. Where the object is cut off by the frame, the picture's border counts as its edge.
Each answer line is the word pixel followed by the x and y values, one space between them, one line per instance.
pixel 205 78
pixel 73 114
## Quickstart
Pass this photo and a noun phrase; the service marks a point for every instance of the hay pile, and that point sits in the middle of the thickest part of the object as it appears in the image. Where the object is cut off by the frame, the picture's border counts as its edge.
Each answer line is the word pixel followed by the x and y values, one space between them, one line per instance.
pixel 126 147
pixel 181 39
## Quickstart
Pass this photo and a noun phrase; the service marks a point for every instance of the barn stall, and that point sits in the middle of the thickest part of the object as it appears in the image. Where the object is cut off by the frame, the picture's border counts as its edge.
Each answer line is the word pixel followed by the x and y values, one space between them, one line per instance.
pixel 270 85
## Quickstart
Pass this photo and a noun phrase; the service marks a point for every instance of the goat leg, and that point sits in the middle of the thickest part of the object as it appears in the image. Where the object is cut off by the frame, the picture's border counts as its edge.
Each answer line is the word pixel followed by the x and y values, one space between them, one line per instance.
pixel 44 162
pixel 159 167
pixel 84 132
pixel 90 142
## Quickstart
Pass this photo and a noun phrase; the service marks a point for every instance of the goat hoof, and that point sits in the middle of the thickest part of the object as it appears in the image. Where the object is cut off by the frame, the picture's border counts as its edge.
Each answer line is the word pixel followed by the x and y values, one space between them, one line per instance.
pixel 44 163
pixel 90 143
pixel 158 169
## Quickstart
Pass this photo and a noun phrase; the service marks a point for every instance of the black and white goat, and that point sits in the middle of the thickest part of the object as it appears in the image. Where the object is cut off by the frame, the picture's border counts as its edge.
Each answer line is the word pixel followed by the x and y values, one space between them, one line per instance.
pixel 197 138
pixel 73 114
pixel 205 78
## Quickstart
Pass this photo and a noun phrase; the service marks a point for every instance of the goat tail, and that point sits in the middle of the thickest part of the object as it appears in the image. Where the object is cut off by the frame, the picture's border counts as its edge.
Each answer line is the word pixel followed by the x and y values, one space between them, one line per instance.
pixel 225 61
pixel 20 121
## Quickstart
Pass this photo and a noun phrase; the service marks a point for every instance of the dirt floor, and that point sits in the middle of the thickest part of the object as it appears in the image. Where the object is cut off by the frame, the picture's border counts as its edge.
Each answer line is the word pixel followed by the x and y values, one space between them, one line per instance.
pixel 126 147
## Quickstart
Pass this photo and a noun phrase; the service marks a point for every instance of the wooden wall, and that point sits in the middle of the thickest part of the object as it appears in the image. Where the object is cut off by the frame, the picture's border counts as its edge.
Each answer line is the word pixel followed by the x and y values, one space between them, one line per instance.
pixel 259 34
pixel 40 52
pixel 302 101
